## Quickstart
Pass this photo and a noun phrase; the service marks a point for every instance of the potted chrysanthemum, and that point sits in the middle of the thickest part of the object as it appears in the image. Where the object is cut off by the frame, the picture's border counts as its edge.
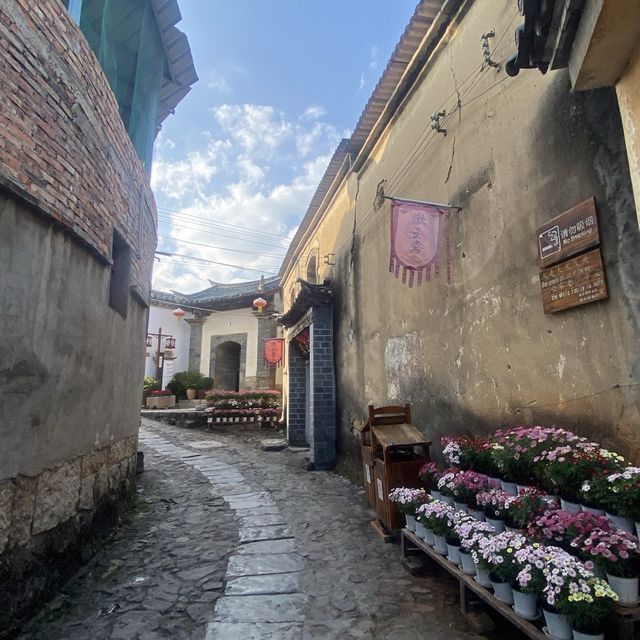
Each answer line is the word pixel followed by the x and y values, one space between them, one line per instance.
pixel 430 473
pixel 617 554
pixel 466 485
pixel 495 504
pixel 408 500
pixel 436 517
pixel 589 608
pixel 470 532
pixel 498 552
pixel 530 580
pixel 564 575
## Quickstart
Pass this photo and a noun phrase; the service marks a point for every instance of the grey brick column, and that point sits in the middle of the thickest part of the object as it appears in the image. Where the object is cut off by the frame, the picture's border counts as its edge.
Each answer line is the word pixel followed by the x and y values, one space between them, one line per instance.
pixel 322 385
pixel 296 397
pixel 267 328
pixel 195 342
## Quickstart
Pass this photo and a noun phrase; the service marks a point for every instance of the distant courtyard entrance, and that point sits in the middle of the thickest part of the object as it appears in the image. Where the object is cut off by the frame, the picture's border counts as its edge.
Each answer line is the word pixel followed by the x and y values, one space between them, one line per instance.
pixel 228 354
pixel 227 369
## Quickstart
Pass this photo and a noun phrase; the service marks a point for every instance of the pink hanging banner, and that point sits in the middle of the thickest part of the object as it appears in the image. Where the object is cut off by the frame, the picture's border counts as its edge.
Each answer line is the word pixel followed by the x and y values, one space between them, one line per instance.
pixel 417 232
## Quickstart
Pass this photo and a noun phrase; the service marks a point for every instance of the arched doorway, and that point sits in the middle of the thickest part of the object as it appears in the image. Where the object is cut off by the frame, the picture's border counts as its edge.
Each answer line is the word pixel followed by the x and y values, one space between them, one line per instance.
pixel 226 374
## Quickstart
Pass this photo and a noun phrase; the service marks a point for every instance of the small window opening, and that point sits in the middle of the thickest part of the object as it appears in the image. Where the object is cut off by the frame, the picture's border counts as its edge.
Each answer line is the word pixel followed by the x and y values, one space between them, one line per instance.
pixel 311 271
pixel 120 272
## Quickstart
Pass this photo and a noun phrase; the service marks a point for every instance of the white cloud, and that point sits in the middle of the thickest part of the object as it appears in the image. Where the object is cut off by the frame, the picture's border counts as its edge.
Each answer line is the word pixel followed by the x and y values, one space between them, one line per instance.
pixel 371 73
pixel 313 112
pixel 220 78
pixel 256 128
pixel 255 172
pixel 218 82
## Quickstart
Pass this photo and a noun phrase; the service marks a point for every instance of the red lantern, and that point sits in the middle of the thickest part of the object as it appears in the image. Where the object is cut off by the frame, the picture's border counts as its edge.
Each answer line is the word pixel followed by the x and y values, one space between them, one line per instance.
pixel 260 304
pixel 179 313
pixel 170 343
pixel 149 341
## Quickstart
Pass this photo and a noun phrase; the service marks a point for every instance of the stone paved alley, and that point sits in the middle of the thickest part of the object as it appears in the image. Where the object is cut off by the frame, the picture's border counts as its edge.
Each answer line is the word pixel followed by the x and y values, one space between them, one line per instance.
pixel 227 541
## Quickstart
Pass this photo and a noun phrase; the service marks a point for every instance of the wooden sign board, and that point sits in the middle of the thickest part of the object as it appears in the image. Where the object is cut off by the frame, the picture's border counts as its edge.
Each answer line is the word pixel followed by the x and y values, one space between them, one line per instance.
pixel 569 233
pixel 574 282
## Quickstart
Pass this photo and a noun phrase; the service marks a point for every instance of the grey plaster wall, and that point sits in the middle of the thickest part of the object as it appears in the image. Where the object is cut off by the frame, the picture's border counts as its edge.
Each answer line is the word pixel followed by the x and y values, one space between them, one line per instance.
pixel 481 354
pixel 71 367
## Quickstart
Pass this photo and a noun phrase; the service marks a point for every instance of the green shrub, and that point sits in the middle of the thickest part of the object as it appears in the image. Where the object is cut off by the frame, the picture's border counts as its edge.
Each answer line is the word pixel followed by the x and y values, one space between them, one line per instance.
pixel 151 384
pixel 204 383
pixel 182 381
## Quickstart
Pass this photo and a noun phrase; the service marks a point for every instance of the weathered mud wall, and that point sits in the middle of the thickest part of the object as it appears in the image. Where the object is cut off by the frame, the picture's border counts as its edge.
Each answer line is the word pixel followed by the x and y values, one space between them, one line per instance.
pixel 480 353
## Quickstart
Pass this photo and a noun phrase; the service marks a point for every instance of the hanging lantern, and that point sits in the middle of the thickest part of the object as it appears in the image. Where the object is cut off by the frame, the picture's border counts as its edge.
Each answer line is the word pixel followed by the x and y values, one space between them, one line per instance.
pixel 169 355
pixel 149 341
pixel 260 304
pixel 170 343
pixel 179 313
pixel 147 353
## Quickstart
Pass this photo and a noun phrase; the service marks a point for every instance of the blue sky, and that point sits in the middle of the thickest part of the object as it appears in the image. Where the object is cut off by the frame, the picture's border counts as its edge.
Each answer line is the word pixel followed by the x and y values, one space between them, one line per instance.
pixel 281 82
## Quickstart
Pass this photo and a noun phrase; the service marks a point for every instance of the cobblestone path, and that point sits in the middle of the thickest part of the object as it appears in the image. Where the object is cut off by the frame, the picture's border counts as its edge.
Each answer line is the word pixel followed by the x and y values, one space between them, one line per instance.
pixel 228 542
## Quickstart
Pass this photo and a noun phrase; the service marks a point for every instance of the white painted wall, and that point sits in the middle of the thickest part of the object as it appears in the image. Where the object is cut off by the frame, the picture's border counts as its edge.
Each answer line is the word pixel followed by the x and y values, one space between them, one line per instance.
pixel 227 322
pixel 180 330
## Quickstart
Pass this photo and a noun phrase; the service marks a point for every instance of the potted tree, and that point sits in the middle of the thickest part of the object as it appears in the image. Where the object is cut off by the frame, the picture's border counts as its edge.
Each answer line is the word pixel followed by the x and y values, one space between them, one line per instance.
pixel 203 387
pixel 183 384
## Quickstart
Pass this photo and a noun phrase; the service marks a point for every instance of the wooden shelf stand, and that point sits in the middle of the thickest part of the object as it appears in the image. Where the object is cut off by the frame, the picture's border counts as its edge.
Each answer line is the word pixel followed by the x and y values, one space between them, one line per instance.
pixel 624 620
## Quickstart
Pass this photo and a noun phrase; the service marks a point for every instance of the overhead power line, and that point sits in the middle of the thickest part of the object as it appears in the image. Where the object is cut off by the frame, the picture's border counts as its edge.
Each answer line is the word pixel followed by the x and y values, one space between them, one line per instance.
pixel 214 262
pixel 193 227
pixel 216 223
pixel 210 246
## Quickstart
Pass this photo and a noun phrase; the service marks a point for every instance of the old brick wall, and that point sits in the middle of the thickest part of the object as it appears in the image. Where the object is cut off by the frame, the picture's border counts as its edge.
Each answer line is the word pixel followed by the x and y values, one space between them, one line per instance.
pixel 63 145
pixel 71 368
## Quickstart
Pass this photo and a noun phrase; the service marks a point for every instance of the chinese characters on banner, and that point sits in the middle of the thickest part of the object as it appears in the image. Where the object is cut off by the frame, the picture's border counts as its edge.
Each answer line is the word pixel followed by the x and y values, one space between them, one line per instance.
pixel 416 238
pixel 274 351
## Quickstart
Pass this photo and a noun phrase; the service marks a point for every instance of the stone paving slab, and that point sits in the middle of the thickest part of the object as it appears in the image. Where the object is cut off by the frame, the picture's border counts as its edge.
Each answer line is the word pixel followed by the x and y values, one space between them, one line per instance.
pixel 272 583
pixel 270 608
pixel 262 520
pixel 253 631
pixel 259 564
pixel 258 511
pixel 269 547
pixel 272 532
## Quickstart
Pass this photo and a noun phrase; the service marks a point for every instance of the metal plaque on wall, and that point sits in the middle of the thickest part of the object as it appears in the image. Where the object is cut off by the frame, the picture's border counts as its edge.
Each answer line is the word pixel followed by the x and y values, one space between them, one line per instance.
pixel 569 233
pixel 574 282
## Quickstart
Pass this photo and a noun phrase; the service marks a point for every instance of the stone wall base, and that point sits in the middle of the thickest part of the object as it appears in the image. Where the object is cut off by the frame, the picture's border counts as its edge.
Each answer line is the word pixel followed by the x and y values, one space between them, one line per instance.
pixel 51 524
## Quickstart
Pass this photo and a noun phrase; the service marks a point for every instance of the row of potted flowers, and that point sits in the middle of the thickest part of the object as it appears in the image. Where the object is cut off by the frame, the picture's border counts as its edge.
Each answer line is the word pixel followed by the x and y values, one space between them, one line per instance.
pixel 242 415
pixel 563 465
pixel 524 572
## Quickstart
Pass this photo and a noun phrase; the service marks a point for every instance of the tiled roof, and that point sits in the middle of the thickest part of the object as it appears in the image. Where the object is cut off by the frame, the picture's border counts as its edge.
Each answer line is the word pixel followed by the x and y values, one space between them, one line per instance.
pixel 220 295
pixel 308 296
pixel 181 70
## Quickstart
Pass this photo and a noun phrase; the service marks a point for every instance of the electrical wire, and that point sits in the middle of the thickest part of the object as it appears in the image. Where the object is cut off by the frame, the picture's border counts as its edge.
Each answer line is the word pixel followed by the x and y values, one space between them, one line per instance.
pixel 213 222
pixel 248 235
pixel 197 261
pixel 210 246
pixel 425 144
pixel 218 234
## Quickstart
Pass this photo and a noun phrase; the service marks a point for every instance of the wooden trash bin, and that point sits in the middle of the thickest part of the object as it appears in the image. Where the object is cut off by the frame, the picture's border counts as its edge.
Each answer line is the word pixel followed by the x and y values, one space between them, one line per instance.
pixel 368 482
pixel 398 451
